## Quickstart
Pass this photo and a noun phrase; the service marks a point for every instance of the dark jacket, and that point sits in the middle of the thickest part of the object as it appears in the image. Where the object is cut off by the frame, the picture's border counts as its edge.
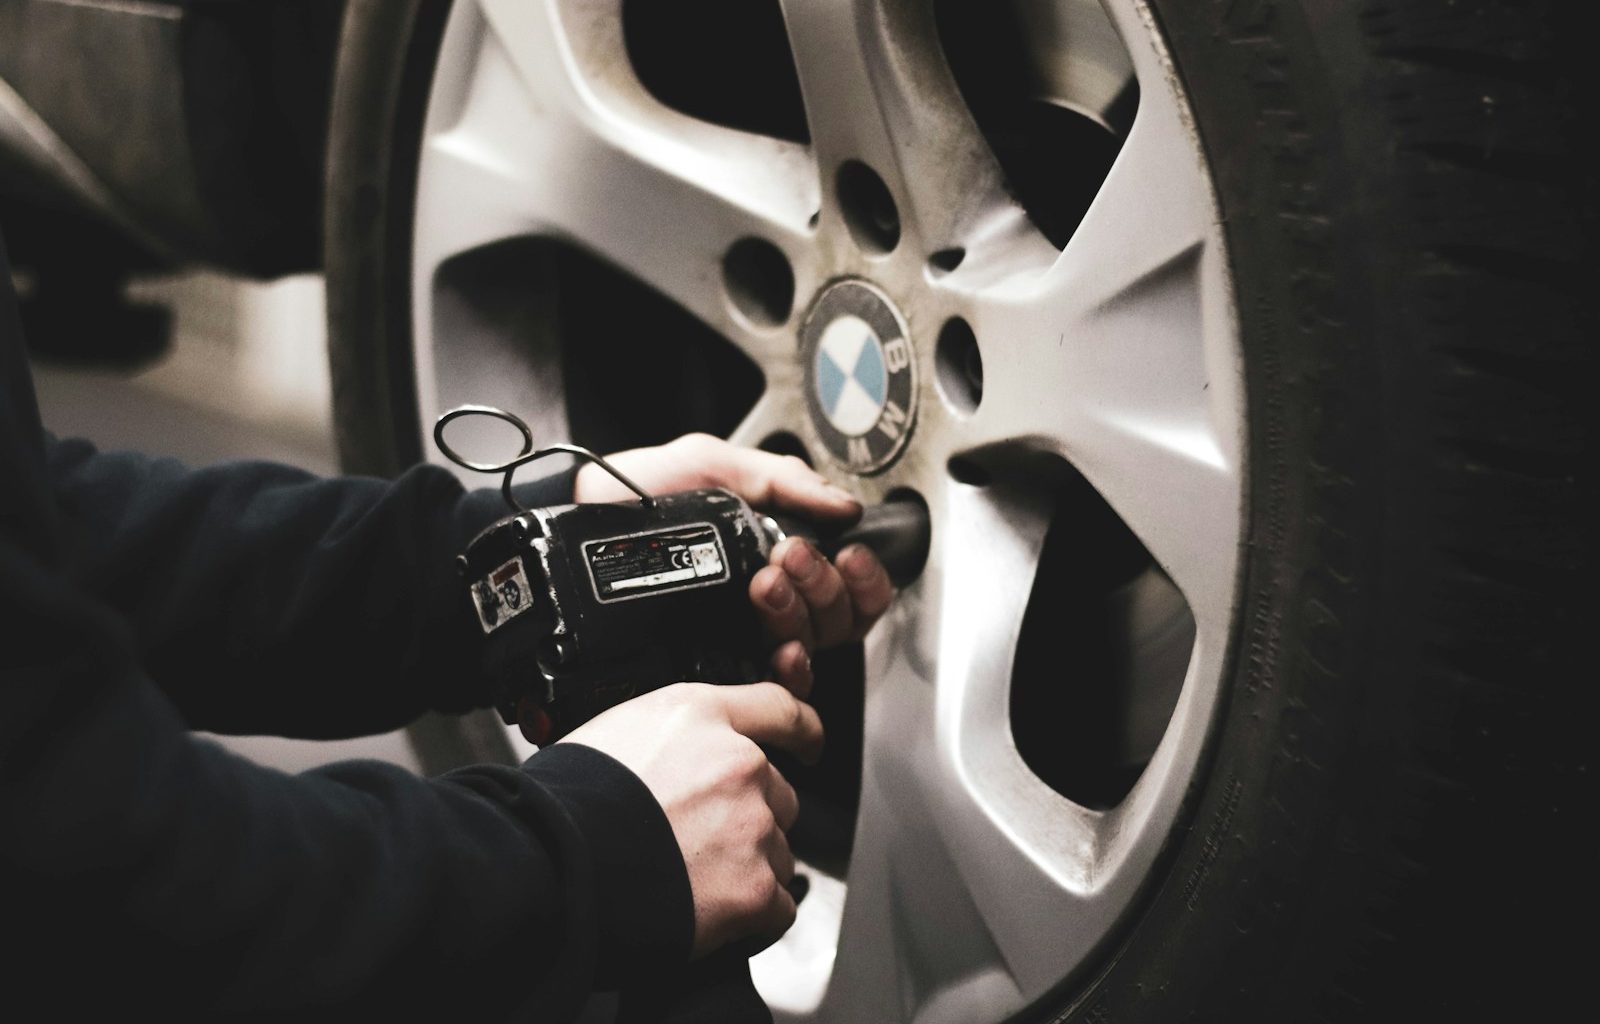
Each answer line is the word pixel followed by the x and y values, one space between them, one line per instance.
pixel 143 866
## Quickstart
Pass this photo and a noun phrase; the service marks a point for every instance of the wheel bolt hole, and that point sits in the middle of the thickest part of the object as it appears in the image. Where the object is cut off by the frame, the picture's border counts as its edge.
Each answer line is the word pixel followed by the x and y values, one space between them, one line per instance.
pixel 903 534
pixel 759 281
pixel 968 472
pixel 946 260
pixel 783 442
pixel 959 366
pixel 868 208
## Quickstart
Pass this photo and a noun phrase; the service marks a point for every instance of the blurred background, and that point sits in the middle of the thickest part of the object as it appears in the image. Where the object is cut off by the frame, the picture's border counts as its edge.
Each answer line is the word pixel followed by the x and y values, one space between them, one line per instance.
pixel 243 375
pixel 161 172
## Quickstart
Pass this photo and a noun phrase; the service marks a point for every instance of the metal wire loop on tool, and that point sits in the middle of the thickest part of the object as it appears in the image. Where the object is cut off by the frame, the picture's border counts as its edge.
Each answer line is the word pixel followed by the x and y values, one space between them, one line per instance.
pixel 525 456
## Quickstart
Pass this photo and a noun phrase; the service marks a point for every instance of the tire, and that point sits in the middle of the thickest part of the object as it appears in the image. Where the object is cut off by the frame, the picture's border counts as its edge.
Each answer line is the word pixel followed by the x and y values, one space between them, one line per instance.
pixel 1411 227
pixel 1378 819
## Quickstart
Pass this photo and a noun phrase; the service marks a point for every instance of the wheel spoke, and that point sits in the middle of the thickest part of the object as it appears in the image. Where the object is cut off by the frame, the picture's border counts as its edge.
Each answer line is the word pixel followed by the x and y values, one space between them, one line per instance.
pixel 1120 358
pixel 778 410
pixel 876 89
pixel 1074 57
pixel 540 143
pixel 972 884
pixel 917 918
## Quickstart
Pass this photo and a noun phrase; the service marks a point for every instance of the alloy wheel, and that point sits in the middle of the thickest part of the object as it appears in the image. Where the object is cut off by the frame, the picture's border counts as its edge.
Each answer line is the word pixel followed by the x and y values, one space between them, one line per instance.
pixel 1053 389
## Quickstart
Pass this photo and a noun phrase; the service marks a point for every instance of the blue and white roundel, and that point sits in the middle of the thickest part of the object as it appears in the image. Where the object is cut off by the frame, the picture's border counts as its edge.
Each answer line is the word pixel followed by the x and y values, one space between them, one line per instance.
pixel 861 375
pixel 850 379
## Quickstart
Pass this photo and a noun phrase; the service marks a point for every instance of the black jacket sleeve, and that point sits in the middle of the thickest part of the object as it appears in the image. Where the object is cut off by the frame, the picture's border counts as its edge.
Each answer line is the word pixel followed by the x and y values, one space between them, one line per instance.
pixel 263 599
pixel 144 866
pixel 141 867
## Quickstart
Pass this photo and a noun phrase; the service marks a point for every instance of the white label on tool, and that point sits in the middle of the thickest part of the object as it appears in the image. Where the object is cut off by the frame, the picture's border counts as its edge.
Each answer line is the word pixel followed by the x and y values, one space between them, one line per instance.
pixel 707 559
pixel 502 595
pixel 643 564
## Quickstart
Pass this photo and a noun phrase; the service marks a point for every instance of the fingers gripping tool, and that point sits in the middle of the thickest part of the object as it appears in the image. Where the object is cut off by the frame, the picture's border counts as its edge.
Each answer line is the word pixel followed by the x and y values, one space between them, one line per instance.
pixel 583 606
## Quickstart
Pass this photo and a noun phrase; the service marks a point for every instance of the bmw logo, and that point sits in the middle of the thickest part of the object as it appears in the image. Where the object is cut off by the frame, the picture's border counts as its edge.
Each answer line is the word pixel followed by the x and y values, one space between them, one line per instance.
pixel 861 379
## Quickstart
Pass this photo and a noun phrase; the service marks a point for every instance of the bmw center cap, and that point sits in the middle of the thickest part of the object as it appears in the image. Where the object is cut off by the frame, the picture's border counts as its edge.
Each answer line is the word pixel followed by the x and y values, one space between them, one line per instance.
pixel 861 379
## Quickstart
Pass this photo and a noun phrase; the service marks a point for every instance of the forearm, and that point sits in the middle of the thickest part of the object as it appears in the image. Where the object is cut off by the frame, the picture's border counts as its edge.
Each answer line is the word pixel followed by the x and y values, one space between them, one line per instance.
pixel 211 882
pixel 264 599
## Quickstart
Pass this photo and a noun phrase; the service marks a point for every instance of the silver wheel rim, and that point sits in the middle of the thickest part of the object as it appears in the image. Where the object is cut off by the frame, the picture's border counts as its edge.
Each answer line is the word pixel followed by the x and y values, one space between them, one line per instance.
pixel 973 888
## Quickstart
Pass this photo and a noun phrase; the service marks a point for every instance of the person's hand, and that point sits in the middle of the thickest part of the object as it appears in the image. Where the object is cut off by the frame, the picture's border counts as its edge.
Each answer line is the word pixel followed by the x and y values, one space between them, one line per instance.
pixel 806 602
pixel 692 461
pixel 695 747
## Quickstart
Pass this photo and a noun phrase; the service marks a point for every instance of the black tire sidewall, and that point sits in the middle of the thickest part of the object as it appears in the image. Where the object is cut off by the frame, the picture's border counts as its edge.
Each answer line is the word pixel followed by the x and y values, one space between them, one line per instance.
pixel 1333 860
pixel 387 54
pixel 383 78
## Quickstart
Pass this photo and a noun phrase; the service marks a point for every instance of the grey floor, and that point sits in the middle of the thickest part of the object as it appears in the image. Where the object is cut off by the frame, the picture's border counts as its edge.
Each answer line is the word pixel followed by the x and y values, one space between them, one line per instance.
pixel 246 378
pixel 119 413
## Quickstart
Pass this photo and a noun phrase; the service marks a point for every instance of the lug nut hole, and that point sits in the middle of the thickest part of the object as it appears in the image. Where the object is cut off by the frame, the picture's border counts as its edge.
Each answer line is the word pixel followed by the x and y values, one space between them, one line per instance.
pixel 868 208
pixel 946 260
pixel 968 472
pixel 759 281
pixel 783 442
pixel 959 366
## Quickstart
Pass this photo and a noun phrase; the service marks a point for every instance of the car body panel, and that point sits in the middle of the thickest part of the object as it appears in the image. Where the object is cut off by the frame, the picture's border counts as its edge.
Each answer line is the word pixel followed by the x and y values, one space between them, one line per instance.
pixel 195 129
